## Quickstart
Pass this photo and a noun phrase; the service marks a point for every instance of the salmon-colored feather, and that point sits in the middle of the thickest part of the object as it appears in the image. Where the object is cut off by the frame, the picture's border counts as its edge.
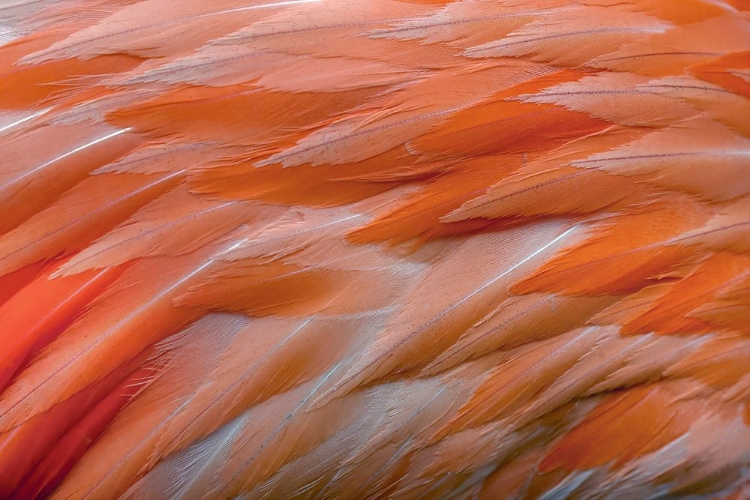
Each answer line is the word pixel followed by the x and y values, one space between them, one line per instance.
pixel 85 212
pixel 374 249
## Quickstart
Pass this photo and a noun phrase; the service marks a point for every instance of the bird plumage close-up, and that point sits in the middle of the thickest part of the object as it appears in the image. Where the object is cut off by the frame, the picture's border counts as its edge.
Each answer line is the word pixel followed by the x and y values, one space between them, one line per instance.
pixel 375 249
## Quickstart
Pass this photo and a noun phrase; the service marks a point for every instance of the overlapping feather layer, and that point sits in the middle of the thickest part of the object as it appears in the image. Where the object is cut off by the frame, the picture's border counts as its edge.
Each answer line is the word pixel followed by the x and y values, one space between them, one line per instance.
pixel 375 249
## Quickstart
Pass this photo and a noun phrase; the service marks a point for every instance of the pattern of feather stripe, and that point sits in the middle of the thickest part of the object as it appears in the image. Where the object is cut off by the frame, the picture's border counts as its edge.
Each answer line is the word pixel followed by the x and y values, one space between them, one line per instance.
pixel 337 249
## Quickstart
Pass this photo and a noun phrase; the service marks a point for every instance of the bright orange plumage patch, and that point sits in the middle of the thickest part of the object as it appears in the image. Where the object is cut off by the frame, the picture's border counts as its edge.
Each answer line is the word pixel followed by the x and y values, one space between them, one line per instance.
pixel 375 249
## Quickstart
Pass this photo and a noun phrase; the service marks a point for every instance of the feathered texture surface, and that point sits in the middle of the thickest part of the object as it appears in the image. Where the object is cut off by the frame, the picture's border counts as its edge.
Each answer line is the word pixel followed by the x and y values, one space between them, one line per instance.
pixel 404 249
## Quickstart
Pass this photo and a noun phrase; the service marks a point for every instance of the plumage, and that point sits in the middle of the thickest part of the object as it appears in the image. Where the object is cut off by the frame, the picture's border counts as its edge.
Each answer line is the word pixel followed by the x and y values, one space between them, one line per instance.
pixel 468 249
